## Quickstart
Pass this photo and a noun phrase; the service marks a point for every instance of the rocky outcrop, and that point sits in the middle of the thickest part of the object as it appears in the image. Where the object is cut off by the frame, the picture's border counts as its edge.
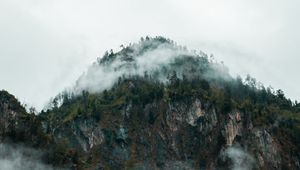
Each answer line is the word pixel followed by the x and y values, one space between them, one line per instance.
pixel 194 113
pixel 233 127
pixel 81 133
pixel 268 155
pixel 174 135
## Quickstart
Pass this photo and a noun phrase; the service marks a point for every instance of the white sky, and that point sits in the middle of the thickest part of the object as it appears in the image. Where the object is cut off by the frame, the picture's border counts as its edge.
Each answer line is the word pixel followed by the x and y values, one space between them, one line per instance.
pixel 46 44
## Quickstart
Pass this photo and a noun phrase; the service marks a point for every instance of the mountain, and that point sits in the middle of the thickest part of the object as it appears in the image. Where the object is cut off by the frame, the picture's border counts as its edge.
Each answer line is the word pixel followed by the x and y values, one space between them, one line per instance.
pixel 156 105
pixel 16 125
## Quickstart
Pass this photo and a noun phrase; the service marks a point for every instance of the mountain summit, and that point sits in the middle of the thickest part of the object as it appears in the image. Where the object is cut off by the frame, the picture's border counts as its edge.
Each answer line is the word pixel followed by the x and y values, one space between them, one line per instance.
pixel 156 105
pixel 155 57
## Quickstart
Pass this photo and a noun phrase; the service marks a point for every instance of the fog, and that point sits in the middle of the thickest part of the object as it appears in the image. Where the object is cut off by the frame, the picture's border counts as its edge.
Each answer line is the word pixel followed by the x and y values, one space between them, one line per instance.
pixel 46 45
pixel 239 158
pixel 104 76
pixel 151 57
pixel 21 158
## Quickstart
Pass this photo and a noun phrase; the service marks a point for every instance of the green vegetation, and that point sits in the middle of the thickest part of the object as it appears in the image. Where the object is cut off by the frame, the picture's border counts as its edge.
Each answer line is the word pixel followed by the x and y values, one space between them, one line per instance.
pixel 132 113
pixel 10 101
pixel 188 78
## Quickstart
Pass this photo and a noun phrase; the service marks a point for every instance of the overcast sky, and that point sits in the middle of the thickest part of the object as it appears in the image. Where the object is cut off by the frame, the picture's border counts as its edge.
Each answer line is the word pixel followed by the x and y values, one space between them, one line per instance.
pixel 46 44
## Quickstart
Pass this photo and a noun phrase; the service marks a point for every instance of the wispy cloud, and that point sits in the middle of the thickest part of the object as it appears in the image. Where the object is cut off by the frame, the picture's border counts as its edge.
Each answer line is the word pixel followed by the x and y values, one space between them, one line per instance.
pixel 239 158
pixel 16 157
pixel 46 45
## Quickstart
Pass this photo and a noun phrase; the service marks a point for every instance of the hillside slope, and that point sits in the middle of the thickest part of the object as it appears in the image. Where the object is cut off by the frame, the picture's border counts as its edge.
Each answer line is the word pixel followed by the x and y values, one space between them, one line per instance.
pixel 156 105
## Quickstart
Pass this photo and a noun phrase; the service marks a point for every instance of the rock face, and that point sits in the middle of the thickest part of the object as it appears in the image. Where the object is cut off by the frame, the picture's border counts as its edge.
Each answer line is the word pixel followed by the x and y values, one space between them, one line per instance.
pixel 233 127
pixel 195 111
pixel 83 134
pixel 269 155
pixel 182 112
pixel 173 135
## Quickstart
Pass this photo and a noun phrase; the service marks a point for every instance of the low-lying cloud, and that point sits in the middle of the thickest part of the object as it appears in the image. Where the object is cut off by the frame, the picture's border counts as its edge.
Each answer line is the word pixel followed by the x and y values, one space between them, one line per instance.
pixel 101 76
pixel 15 157
pixel 46 45
pixel 154 57
pixel 239 158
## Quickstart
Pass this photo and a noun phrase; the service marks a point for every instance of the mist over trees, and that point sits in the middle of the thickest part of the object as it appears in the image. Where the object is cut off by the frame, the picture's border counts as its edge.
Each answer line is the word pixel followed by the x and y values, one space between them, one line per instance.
pixel 157 69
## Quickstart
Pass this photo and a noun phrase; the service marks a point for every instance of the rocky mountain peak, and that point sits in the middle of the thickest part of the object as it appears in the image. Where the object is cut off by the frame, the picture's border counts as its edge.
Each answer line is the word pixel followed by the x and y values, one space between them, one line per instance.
pixel 156 105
